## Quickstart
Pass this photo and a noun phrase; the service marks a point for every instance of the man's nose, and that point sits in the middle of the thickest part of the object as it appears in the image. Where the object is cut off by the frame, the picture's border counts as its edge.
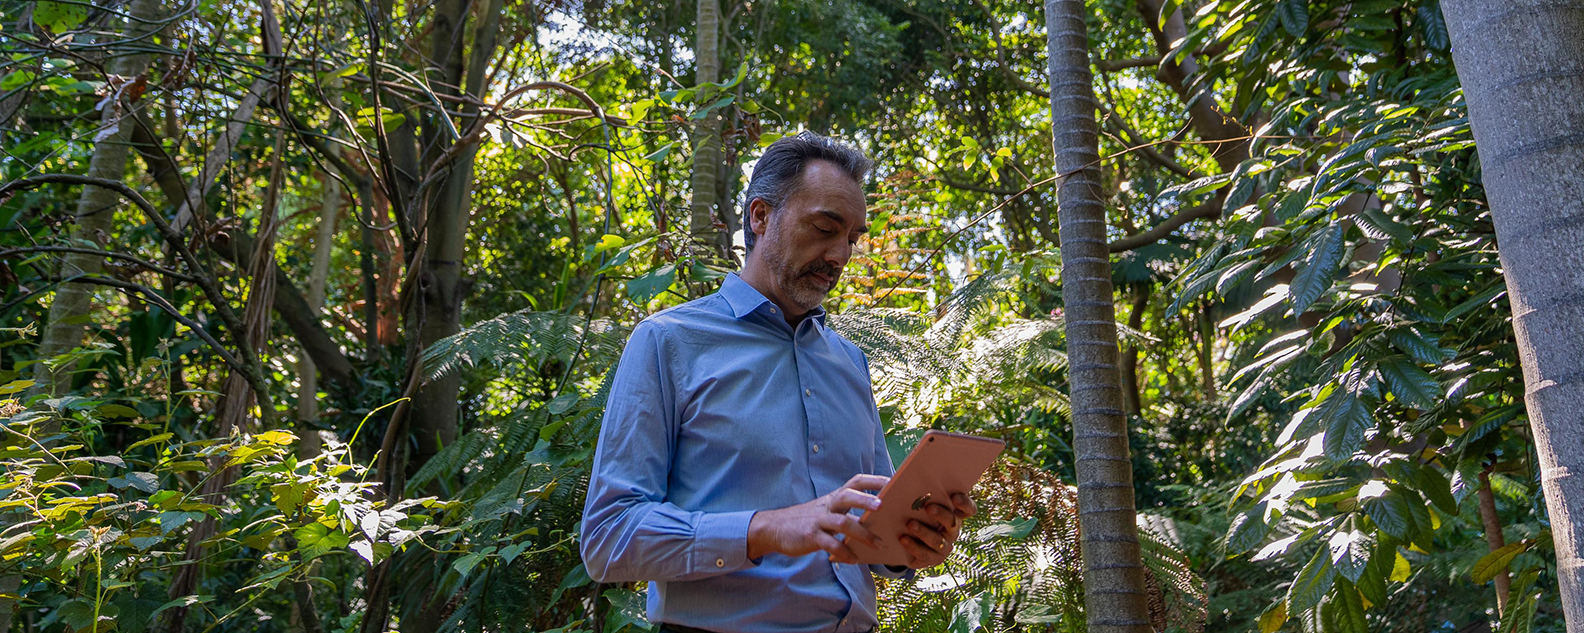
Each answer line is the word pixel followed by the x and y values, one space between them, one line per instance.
pixel 839 254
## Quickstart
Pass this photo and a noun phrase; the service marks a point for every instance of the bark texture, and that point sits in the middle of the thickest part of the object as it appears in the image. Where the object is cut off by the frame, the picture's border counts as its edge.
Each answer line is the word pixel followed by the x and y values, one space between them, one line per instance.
pixel 1115 599
pixel 1521 63
pixel 706 134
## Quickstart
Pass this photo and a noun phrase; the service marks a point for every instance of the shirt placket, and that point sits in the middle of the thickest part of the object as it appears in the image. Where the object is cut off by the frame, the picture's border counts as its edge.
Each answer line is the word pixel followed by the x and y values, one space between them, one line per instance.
pixel 821 449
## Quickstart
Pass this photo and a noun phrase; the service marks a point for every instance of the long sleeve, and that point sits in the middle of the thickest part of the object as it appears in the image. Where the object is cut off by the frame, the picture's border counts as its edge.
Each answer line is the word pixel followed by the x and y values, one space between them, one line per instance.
pixel 629 531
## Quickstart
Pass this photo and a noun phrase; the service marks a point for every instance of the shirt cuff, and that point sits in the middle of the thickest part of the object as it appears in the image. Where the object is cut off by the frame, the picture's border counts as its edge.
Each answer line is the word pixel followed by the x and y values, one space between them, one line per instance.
pixel 720 542
pixel 898 573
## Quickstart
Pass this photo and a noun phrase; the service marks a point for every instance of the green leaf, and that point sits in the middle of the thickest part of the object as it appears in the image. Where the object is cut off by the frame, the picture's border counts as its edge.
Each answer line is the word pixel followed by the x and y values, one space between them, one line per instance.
pixel 1320 270
pixel 1349 609
pixel 646 287
pixel 1015 530
pixel 147 482
pixel 15 386
pixel 1409 383
pixel 184 601
pixel 578 577
pixel 627 609
pixel 59 17
pixel 1312 583
pixel 1350 552
pixel 1477 301
pixel 1386 508
pixel 1436 488
pixel 1496 562
pixel 659 154
pixel 1248 529
pixel 149 440
pixel 1294 15
pixel 1520 617
pixel 466 564
pixel 1432 27
pixel 1417 347
pixel 719 103
pixel 1346 419
pixel 971 614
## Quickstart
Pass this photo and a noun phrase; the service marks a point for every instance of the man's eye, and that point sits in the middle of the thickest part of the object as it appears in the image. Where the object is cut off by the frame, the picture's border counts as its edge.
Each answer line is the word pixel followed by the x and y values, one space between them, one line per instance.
pixel 825 231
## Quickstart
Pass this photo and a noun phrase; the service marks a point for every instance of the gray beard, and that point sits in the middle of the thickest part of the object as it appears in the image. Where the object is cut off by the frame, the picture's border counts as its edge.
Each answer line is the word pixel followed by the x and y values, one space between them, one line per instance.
pixel 805 291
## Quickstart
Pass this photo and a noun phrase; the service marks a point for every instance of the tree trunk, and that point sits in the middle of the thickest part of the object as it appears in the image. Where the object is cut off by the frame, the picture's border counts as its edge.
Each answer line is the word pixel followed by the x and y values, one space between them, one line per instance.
pixel 1521 63
pixel 1115 600
pixel 706 134
pixel 1132 401
pixel 96 209
pixel 324 237
pixel 1493 538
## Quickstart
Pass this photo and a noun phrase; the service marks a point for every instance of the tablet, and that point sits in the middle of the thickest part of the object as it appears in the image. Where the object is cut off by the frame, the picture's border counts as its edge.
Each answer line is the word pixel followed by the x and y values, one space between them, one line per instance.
pixel 942 464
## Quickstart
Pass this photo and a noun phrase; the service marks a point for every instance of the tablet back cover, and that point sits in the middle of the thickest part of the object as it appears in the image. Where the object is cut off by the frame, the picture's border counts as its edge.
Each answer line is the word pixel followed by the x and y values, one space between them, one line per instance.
pixel 942 464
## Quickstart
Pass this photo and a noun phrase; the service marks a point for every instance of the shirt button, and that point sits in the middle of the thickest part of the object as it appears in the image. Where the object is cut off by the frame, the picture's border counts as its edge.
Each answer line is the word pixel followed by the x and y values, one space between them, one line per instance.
pixel 816 448
pixel 772 310
pixel 808 392
pixel 719 562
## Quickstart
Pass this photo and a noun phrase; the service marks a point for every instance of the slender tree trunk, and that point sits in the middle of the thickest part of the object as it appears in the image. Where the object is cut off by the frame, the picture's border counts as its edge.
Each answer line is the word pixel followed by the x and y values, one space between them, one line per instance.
pixel 1132 402
pixel 1115 599
pixel 96 209
pixel 706 134
pixel 324 237
pixel 1493 537
pixel 1206 352
pixel 1521 63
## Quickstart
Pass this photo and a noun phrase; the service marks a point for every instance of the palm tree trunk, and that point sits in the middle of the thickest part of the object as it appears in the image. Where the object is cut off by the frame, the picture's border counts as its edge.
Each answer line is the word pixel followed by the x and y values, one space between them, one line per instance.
pixel 96 209
pixel 706 134
pixel 1522 67
pixel 1115 600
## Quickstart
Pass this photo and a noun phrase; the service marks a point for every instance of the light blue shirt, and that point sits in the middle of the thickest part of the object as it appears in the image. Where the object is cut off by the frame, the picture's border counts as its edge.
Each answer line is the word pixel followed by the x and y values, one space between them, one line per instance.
pixel 719 409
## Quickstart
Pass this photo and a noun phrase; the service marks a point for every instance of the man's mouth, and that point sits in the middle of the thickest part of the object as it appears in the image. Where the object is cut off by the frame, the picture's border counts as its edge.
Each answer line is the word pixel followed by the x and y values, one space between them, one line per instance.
pixel 823 278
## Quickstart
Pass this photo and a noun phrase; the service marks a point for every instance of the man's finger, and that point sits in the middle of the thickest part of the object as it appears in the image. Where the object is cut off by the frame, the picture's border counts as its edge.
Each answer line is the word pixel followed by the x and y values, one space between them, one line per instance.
pixel 848 498
pixel 942 514
pixel 965 505
pixel 838 551
pixel 849 525
pixel 866 482
pixel 930 537
pixel 919 556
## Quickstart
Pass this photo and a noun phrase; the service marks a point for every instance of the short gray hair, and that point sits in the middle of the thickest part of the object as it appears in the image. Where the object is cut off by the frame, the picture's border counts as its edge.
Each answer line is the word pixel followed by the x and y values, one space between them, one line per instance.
pixel 779 171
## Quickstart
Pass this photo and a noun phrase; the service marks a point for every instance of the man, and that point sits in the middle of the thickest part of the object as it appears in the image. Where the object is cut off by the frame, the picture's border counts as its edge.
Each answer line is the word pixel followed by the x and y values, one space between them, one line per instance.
pixel 741 432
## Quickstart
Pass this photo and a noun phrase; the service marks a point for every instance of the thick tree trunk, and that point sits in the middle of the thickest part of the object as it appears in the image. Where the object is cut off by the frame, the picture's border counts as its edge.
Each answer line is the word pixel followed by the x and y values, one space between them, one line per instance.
pixel 1115 599
pixel 96 209
pixel 1522 67
pixel 706 134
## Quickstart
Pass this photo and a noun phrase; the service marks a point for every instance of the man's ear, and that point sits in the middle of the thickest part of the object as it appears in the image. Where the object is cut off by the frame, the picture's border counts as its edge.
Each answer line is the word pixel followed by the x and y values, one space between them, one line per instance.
pixel 759 218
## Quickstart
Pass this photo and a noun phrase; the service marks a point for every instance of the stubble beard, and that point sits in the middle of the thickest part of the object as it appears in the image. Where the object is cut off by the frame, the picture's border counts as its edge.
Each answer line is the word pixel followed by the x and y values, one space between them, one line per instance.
pixel 799 284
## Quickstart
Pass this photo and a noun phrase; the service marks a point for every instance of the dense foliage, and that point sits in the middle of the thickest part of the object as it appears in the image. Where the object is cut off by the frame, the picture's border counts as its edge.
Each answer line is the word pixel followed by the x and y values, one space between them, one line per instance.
pixel 350 279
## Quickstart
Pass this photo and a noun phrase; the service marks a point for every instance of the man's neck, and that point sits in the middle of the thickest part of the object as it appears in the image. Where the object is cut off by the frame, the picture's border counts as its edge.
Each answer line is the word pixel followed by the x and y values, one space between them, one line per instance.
pixel 758 276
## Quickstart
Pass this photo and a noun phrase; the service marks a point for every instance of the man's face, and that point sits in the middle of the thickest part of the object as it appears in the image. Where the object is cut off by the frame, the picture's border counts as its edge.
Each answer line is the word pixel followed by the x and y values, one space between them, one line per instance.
pixel 809 240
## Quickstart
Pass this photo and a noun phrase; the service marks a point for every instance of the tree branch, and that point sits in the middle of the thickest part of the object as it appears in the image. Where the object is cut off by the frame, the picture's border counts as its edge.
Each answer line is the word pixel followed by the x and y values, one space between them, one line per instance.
pixel 94 251
pixel 251 368
pixel 1211 209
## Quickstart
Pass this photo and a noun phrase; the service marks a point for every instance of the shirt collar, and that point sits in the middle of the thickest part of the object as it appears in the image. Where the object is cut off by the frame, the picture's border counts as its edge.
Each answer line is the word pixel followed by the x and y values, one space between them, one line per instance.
pixel 745 300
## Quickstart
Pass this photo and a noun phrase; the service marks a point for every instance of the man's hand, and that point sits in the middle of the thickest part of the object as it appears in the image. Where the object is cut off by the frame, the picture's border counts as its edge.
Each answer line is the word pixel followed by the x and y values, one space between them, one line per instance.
pixel 928 543
pixel 813 526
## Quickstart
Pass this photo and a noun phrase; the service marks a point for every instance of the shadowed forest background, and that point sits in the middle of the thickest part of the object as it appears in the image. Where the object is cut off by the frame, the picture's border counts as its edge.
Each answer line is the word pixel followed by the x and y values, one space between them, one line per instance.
pixel 308 309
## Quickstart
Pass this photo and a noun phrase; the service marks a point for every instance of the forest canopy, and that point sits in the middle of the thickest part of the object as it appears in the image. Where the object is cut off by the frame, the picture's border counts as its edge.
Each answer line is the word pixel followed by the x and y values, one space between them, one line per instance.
pixel 309 311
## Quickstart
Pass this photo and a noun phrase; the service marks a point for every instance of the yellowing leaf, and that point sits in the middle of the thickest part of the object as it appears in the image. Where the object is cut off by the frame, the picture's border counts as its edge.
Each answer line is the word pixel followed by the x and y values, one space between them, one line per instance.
pixel 1496 562
pixel 1400 570
pixel 1274 618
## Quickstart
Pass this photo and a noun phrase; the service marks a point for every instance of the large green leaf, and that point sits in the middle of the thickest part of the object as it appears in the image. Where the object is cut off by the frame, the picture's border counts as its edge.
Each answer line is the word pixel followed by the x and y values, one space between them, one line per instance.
pixel 1294 16
pixel 1319 270
pixel 627 609
pixel 1346 418
pixel 1248 530
pixel 1349 614
pixel 1350 552
pixel 1386 508
pixel 1409 383
pixel 1312 583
